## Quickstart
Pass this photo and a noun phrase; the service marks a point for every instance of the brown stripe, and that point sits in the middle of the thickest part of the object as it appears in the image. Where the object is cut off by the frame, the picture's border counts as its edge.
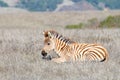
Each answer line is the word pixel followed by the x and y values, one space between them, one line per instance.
pixel 100 53
pixel 104 52
pixel 83 51
pixel 96 54
pixel 96 58
pixel 63 47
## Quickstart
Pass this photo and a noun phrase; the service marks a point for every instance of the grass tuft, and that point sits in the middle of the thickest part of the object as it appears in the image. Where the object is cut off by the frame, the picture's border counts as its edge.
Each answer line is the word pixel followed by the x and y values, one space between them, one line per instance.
pixel 75 26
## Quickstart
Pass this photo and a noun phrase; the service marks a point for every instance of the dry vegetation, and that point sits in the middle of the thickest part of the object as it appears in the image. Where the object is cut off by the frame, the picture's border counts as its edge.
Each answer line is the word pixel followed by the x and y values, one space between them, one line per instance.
pixel 20 46
pixel 20 57
pixel 26 19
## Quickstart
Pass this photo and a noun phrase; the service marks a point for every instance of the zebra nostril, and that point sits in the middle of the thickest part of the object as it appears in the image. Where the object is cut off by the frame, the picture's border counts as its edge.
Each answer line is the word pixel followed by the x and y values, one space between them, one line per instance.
pixel 44 53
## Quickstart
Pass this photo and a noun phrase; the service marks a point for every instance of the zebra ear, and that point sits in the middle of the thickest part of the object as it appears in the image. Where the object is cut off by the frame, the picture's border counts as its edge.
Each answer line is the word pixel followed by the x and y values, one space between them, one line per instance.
pixel 45 34
pixel 49 35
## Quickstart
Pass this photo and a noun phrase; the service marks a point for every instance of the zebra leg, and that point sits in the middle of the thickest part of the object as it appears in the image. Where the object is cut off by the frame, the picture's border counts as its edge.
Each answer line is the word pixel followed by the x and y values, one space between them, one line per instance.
pixel 61 59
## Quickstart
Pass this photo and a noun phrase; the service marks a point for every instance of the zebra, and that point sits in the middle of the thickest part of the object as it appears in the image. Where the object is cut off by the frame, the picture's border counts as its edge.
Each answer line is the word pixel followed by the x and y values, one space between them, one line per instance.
pixel 71 50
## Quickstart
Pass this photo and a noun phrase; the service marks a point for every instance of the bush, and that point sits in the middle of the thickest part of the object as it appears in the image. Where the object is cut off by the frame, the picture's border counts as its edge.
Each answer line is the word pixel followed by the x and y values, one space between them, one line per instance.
pixel 110 22
pixel 75 26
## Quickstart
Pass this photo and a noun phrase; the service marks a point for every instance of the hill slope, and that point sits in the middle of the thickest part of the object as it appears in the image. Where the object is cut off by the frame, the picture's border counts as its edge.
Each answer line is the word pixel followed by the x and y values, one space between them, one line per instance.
pixel 66 5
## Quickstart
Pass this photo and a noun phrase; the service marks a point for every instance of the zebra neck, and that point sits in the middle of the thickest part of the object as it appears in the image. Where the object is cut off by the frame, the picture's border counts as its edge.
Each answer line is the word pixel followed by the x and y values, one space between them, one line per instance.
pixel 61 47
pixel 63 39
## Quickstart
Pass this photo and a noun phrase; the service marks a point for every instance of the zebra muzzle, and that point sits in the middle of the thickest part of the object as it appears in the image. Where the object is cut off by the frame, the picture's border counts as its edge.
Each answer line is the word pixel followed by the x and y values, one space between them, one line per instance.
pixel 44 54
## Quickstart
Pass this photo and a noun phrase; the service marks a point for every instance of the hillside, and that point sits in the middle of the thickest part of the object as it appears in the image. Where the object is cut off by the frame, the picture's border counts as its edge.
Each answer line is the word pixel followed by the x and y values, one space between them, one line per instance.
pixel 79 6
pixel 61 5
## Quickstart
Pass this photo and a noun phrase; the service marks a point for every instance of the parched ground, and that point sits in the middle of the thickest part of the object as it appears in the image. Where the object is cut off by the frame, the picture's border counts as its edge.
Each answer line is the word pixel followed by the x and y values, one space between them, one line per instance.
pixel 20 56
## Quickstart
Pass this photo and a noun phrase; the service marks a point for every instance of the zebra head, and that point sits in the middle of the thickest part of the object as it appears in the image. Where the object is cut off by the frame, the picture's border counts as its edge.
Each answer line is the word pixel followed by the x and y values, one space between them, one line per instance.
pixel 49 44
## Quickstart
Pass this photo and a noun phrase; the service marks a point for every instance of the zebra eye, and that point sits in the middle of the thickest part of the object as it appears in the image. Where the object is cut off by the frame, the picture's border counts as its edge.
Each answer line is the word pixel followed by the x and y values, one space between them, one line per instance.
pixel 48 43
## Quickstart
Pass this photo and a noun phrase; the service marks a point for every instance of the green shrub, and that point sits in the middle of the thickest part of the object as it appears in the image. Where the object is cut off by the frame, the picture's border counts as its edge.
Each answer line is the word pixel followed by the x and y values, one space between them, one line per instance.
pixel 75 26
pixel 110 22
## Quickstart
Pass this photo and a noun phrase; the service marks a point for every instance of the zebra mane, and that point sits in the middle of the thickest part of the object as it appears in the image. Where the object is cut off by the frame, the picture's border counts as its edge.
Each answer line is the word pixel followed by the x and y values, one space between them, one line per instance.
pixel 61 37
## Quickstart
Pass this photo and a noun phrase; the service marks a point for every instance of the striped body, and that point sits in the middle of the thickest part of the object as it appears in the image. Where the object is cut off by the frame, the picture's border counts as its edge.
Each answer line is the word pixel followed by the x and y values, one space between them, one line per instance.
pixel 68 49
pixel 89 52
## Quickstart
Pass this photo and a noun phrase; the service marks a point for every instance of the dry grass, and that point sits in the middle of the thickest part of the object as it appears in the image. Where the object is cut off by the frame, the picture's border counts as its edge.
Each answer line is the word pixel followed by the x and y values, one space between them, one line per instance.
pixel 21 41
pixel 20 57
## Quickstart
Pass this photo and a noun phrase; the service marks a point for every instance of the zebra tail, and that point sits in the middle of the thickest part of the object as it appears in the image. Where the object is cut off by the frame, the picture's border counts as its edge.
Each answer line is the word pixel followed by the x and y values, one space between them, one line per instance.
pixel 103 60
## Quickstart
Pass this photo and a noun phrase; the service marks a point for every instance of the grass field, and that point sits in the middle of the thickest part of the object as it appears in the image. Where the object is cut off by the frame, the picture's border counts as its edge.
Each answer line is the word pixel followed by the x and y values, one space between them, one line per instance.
pixel 20 53
pixel 20 56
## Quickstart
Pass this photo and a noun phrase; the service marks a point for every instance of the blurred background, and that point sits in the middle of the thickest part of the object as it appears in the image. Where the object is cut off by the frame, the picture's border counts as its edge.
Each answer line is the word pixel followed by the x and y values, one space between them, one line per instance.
pixel 60 13
pixel 61 5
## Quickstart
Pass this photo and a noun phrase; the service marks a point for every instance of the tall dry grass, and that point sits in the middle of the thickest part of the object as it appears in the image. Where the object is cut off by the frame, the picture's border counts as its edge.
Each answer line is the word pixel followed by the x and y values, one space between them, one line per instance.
pixel 20 56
